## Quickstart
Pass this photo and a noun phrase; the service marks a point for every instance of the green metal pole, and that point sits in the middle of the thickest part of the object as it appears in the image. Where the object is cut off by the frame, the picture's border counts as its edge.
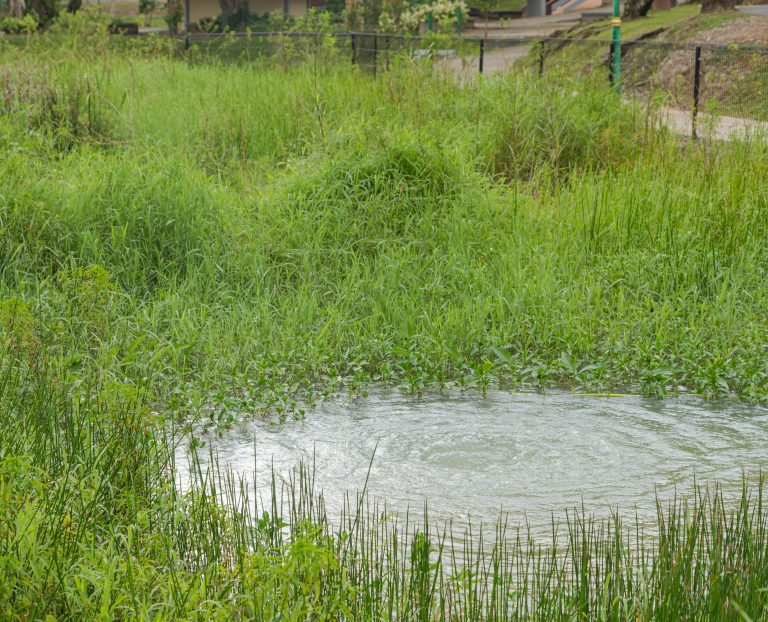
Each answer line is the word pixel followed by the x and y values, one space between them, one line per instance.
pixel 616 41
pixel 429 17
pixel 458 20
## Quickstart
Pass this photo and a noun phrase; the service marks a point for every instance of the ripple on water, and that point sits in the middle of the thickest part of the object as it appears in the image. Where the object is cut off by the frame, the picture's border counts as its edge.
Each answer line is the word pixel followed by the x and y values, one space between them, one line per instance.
pixel 526 454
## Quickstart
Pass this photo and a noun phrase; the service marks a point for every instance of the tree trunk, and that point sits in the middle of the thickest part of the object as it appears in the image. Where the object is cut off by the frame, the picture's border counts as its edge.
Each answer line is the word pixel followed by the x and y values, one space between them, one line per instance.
pixel 637 8
pixel 710 6
pixel 16 8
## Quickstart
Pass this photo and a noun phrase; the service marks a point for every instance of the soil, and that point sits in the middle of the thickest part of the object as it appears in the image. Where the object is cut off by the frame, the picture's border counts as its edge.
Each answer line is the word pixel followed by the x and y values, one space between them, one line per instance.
pixel 752 30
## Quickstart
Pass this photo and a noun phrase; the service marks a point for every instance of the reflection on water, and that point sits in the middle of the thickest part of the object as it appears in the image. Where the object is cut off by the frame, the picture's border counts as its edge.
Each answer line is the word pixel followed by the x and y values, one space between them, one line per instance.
pixel 526 454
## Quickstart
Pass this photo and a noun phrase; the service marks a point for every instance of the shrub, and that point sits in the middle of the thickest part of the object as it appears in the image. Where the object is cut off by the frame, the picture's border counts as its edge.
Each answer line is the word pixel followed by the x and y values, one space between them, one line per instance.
pixel 19 25
pixel 147 6
pixel 45 10
pixel 443 14
pixel 86 30
pixel 174 14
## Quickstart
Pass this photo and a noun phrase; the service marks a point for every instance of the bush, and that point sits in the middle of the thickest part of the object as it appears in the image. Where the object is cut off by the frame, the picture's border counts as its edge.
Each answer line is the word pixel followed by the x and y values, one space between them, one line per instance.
pixel 88 28
pixel 174 14
pixel 147 6
pixel 19 25
pixel 45 10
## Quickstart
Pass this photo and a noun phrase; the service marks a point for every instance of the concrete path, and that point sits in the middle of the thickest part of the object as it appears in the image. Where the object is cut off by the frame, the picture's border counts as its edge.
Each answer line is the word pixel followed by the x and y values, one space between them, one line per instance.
pixel 754 9
pixel 525 26
pixel 678 121
pixel 717 127
pixel 467 68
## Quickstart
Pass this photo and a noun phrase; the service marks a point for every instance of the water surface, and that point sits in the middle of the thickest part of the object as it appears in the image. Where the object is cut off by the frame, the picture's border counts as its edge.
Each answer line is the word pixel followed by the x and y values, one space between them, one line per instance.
pixel 525 454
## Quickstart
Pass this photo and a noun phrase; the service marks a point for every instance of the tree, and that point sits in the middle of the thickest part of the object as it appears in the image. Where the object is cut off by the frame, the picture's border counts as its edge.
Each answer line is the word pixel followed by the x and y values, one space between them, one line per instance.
pixel 17 8
pixel 710 6
pixel 234 12
pixel 634 9
pixel 485 6
pixel 174 13
pixel 46 10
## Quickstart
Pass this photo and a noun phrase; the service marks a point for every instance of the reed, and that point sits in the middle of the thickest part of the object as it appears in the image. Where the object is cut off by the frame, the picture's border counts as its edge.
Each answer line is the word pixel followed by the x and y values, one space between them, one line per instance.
pixel 93 527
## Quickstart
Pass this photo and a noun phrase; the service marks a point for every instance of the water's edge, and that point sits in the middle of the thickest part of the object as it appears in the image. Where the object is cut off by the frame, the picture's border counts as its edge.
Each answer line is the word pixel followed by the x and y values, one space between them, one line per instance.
pixel 529 455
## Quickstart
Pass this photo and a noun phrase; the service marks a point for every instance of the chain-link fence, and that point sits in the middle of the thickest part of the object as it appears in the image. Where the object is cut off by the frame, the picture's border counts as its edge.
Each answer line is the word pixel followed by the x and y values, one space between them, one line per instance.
pixel 724 81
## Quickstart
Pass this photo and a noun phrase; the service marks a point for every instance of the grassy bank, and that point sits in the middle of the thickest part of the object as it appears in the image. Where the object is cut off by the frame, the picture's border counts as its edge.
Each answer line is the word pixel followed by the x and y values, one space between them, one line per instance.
pixel 733 78
pixel 92 528
pixel 184 239
pixel 253 229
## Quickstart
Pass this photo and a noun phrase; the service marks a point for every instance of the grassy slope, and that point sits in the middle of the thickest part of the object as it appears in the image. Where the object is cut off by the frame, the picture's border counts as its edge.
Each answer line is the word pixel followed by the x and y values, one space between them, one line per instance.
pixel 732 83
pixel 177 237
pixel 685 20
pixel 266 226
pixel 499 5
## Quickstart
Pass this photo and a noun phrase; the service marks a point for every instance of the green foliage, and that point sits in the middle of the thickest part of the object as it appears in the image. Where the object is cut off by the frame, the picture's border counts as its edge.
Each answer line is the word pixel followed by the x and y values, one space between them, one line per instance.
pixel 63 112
pixel 147 6
pixel 444 15
pixel 89 516
pixel 330 231
pixel 174 14
pixel 19 25
pixel 590 130
pixel 187 239
pixel 44 11
pixel 84 30
pixel 319 49
pixel 18 329
pixel 335 7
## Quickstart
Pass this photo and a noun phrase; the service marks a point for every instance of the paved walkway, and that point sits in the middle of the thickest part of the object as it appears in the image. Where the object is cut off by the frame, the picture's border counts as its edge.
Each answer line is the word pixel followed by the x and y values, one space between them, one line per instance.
pixel 524 26
pixel 755 9
pixel 678 121
pixel 718 127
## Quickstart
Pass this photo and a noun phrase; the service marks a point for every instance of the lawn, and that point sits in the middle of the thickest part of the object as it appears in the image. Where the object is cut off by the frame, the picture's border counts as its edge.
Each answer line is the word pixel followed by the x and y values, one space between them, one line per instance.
pixel 499 5
pixel 683 22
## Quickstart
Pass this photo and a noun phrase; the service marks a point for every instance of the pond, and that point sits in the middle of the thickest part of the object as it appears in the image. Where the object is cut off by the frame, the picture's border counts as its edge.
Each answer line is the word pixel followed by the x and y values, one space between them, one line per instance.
pixel 528 455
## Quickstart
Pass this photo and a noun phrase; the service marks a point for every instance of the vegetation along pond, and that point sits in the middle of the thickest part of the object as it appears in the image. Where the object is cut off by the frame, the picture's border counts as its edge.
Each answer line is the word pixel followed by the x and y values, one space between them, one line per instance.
pixel 529 455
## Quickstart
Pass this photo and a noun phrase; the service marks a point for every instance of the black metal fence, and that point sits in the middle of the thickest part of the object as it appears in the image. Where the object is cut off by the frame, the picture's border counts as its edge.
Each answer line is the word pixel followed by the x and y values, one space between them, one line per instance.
pixel 720 81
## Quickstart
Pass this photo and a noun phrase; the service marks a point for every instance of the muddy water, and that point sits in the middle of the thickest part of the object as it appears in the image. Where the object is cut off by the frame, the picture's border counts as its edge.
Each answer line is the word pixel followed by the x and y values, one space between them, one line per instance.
pixel 528 455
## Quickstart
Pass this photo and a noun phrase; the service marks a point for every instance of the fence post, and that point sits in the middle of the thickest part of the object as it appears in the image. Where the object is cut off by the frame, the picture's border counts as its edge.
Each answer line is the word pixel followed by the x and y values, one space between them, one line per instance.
pixel 696 90
pixel 186 41
pixel 616 40
pixel 541 58
pixel 354 47
pixel 482 54
pixel 375 50
pixel 610 64
pixel 386 47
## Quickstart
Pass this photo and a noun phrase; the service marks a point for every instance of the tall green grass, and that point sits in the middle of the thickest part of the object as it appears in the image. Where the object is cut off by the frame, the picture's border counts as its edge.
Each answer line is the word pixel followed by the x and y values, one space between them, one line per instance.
pixel 93 528
pixel 272 231
pixel 182 240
